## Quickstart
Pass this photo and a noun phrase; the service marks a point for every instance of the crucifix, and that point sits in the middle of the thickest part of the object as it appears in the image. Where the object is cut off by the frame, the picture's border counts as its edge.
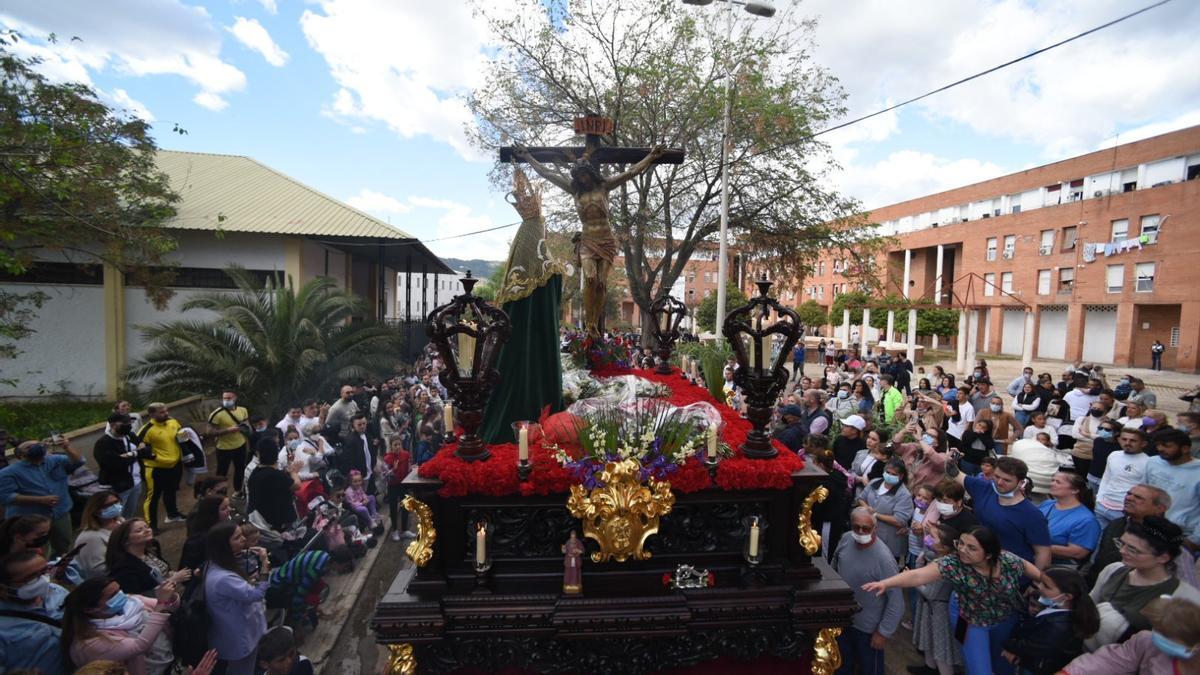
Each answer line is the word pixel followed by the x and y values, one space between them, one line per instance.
pixel 596 247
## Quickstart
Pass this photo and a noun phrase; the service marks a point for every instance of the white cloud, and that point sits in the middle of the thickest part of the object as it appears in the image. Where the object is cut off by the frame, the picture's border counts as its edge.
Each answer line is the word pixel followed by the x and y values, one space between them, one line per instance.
pixel 135 37
pixel 251 33
pixel 123 101
pixel 405 64
pixel 907 174
pixel 211 101
pixel 270 5
pixel 458 219
pixel 377 203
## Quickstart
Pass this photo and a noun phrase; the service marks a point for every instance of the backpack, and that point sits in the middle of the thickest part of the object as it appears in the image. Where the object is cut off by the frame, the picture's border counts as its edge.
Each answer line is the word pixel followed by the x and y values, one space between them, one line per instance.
pixel 190 624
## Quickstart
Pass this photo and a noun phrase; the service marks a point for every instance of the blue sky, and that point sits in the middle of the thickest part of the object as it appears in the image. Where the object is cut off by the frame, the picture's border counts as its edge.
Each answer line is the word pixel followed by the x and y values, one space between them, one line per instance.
pixel 358 98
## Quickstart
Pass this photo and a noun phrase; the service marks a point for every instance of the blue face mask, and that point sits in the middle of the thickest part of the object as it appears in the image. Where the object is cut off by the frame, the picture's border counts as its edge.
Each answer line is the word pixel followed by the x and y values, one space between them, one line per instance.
pixel 111 512
pixel 1170 647
pixel 891 479
pixel 1048 602
pixel 1006 495
pixel 1104 433
pixel 116 604
pixel 843 394
pixel 928 440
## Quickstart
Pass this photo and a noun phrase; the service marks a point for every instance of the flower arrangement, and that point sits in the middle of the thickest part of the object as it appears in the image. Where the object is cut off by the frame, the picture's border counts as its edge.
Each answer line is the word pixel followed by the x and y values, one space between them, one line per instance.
pixel 659 436
pixel 598 353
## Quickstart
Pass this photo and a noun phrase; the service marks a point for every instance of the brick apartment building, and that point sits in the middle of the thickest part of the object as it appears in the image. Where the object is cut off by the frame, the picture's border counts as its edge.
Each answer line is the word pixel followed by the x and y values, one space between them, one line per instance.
pixel 1103 249
pixel 698 280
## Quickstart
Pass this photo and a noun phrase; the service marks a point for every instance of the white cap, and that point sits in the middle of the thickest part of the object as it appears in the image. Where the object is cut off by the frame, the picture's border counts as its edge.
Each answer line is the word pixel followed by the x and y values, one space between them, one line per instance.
pixel 855 421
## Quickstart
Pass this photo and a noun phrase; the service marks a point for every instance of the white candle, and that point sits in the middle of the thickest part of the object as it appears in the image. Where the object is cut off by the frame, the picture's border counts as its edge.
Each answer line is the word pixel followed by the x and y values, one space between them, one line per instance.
pixel 523 444
pixel 466 354
pixel 712 442
pixel 754 539
pixel 695 371
pixel 448 418
pixel 683 364
pixel 480 544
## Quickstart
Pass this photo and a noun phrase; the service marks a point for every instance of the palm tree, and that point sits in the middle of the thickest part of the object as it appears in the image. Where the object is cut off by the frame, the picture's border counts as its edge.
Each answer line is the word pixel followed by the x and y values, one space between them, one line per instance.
pixel 274 345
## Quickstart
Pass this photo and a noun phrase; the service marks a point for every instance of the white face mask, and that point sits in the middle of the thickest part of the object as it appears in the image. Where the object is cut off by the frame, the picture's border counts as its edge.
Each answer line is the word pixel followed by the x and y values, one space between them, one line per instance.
pixel 945 509
pixel 863 539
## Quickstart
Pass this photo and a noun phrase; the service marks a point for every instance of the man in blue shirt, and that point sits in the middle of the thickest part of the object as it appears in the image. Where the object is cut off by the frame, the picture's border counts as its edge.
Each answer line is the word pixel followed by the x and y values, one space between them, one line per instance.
pixel 38 485
pixel 1001 507
pixel 31 611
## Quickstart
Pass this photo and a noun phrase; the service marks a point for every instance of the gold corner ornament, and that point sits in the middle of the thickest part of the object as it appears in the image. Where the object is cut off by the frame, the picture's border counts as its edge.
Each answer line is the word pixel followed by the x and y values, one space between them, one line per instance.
pixel 401 660
pixel 827 658
pixel 622 513
pixel 420 551
pixel 810 539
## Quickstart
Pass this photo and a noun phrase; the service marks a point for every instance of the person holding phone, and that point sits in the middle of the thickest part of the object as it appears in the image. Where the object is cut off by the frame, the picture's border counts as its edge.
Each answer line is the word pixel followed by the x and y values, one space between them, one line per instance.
pixel 37 485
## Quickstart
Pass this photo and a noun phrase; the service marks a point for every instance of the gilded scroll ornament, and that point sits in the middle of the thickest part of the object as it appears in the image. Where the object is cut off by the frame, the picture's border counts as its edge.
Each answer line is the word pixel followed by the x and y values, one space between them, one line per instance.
pixel 401 660
pixel 827 658
pixel 623 513
pixel 420 551
pixel 810 539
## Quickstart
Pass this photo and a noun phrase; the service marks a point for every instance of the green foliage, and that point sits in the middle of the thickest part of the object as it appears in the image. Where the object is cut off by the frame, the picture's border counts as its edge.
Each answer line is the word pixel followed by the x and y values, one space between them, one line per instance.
pixel 25 420
pixel 930 321
pixel 854 299
pixel 706 313
pixel 274 344
pixel 812 313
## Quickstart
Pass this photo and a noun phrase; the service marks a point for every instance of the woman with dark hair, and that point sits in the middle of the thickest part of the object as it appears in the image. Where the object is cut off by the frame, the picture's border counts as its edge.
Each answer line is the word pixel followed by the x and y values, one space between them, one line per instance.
pixel 924 388
pixel 863 397
pixel 1062 617
pixel 988 582
pixel 888 499
pixel 133 562
pixel 977 443
pixel 945 383
pixel 829 517
pixel 1074 531
pixel 209 511
pixel 20 533
pixel 236 603
pixel 102 623
pixel 1027 402
pixel 933 635
pixel 869 462
pixel 1144 573
pixel 101 515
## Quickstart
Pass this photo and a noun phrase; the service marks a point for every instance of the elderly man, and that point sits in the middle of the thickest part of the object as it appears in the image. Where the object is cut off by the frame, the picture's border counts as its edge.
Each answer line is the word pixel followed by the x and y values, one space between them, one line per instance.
pixel 1140 501
pixel 1138 392
pixel 861 558
pixel 814 418
pixel 792 432
pixel 37 485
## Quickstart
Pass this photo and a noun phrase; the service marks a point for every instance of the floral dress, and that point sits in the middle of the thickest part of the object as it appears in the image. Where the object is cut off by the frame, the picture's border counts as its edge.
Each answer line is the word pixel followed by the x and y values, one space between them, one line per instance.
pixel 985 602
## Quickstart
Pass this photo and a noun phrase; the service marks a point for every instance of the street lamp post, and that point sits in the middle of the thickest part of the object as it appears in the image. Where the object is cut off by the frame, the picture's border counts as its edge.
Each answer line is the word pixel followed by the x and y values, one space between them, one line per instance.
pixel 761 9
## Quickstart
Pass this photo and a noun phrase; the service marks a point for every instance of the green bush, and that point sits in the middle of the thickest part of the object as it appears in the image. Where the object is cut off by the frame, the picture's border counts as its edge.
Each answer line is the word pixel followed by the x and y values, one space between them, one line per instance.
pixel 26 420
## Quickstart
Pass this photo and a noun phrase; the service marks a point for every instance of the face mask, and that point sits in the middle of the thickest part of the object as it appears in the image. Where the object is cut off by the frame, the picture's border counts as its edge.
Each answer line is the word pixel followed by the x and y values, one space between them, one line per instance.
pixel 945 509
pixel 36 453
pixel 921 504
pixel 1124 382
pixel 261 429
pixel 891 479
pixel 111 512
pixel 116 604
pixel 979 373
pixel 996 408
pixel 863 539
pixel 1006 495
pixel 1094 391
pixel 293 444
pixel 928 440
pixel 928 541
pixel 31 590
pixel 1170 647
pixel 1048 602
pixel 1149 422
pixel 228 404
pixel 1104 433
pixel 843 394
pixel 1095 413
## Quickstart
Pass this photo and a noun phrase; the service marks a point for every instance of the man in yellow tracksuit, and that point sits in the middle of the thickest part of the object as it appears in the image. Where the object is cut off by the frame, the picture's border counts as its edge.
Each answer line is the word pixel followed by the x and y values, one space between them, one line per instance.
pixel 164 467
pixel 228 424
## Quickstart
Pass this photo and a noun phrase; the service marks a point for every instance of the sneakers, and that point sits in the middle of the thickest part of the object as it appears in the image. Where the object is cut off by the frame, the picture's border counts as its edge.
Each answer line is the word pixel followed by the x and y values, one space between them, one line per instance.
pixel 175 519
pixel 395 535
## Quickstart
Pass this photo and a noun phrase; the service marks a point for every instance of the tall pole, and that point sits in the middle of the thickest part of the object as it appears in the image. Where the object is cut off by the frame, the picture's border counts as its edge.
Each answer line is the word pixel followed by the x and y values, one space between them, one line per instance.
pixel 722 262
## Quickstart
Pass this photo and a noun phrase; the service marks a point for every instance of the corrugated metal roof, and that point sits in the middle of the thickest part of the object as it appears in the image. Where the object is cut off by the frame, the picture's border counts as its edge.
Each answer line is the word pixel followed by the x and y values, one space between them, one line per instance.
pixel 253 197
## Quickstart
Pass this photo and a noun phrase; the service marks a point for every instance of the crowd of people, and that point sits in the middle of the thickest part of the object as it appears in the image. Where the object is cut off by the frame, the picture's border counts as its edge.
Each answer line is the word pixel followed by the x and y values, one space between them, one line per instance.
pixel 1043 526
pixel 86 586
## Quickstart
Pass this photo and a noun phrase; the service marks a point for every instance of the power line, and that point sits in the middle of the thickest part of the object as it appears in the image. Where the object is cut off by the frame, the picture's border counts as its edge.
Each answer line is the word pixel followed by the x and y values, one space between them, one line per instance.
pixel 991 70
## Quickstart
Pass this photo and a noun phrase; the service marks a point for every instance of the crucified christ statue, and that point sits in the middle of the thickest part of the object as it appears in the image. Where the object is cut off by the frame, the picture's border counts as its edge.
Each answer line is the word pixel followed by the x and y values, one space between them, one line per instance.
pixel 597 247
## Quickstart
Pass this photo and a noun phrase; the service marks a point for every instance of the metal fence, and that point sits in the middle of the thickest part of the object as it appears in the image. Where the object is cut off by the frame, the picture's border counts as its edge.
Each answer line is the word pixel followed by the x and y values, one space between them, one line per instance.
pixel 413 332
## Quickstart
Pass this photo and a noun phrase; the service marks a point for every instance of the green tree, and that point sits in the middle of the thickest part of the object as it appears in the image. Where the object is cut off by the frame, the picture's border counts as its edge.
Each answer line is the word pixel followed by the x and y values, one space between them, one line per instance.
pixel 812 313
pixel 706 313
pixel 657 69
pixel 274 344
pixel 852 299
pixel 76 178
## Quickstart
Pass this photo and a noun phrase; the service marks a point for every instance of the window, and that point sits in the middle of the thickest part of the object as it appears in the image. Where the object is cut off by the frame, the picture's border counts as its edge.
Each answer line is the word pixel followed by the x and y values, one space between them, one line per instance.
pixel 1069 235
pixel 1066 279
pixel 1114 278
pixel 1043 287
pixel 691 277
pixel 991 248
pixel 708 277
pixel 1173 341
pixel 1076 190
pixel 821 268
pixel 1046 243
pixel 1144 277
pixel 1006 282
pixel 691 292
pixel 1120 230
pixel 989 284
pixel 1010 246
pixel 1150 227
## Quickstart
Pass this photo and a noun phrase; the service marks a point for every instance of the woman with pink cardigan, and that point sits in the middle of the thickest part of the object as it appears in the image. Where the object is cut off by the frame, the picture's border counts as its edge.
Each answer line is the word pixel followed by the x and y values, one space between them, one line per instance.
pixel 100 622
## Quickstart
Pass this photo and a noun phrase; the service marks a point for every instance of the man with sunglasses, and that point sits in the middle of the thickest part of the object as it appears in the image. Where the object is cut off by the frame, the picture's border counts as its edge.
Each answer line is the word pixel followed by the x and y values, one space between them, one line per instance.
pixel 37 485
pixel 31 612
pixel 861 557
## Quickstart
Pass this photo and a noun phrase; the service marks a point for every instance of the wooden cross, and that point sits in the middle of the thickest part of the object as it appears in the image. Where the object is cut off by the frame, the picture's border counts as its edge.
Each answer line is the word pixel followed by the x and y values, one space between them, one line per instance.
pixel 593 128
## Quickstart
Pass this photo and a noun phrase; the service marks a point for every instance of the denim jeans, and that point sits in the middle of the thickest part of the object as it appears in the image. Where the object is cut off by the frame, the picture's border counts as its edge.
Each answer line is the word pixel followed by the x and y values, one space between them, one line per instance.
pixel 131 502
pixel 1105 515
pixel 981 649
pixel 1022 417
pixel 855 646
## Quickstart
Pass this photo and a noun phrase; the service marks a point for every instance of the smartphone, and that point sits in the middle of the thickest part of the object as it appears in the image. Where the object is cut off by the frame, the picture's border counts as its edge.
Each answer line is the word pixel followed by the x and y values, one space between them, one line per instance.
pixel 66 559
pixel 56 437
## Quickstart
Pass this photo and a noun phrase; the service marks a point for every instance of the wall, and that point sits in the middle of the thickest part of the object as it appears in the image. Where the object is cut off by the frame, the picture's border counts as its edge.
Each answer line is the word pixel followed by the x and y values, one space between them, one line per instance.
pixel 1161 319
pixel 67 344
pixel 139 312
pixel 206 249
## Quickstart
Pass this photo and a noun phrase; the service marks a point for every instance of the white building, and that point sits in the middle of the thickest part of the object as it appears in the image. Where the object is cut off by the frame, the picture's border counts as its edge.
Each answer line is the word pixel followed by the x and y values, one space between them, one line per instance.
pixel 233 211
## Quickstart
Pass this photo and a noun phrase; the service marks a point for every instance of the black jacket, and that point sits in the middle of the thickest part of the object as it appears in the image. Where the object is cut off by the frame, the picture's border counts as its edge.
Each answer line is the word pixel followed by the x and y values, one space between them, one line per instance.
pixel 133 576
pixel 351 458
pixel 1045 643
pixel 114 469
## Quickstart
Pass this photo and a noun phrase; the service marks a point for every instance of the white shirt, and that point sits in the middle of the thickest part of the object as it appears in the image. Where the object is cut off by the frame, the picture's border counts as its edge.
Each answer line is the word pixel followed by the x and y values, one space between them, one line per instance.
pixel 1080 401
pixel 1122 472
pixel 366 456
pixel 966 418
pixel 303 423
pixel 1032 432
pixel 1128 423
